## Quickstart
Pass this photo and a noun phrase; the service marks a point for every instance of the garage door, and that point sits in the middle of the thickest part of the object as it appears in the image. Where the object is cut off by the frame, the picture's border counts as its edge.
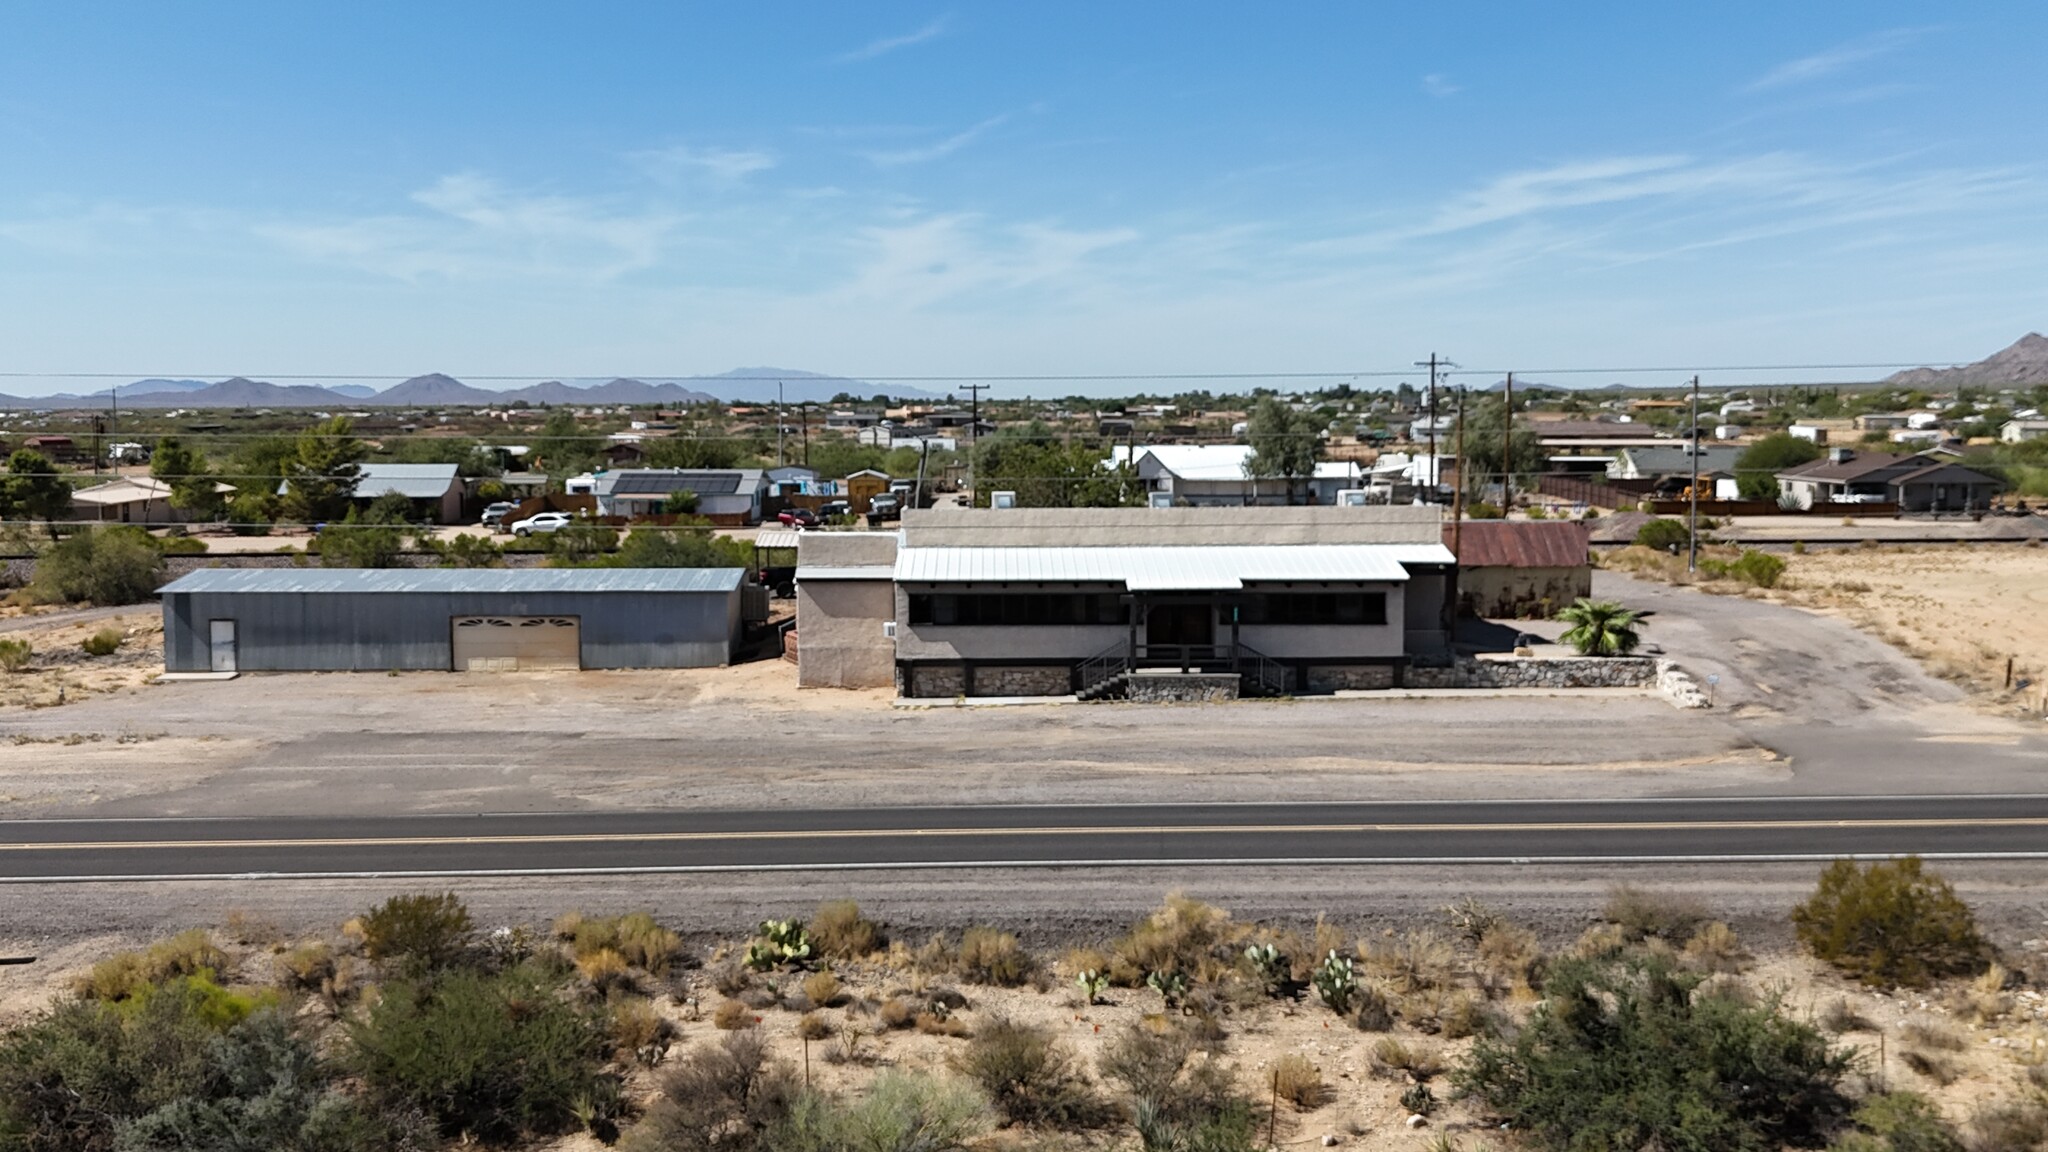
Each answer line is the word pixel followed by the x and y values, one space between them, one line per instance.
pixel 517 643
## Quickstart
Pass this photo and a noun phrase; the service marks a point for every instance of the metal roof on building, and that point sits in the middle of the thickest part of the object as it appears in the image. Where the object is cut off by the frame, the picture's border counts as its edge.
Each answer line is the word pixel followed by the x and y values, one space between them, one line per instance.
pixel 1521 544
pixel 412 481
pixel 638 482
pixel 1166 568
pixel 851 572
pixel 455 580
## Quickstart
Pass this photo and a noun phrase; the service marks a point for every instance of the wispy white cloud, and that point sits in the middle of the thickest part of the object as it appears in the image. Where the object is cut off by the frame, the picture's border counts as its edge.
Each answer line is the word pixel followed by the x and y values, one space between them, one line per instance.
pixel 897 157
pixel 954 257
pixel 1835 59
pixel 887 44
pixel 1439 85
pixel 473 228
pixel 673 163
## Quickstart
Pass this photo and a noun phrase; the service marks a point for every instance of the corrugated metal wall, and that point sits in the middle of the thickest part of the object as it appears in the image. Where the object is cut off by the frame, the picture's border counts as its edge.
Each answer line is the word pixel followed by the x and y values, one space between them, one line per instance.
pixel 311 632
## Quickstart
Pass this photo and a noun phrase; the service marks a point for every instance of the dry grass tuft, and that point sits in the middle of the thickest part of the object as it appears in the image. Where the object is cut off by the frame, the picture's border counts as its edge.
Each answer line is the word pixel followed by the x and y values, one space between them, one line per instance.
pixel 1416 961
pixel 306 967
pixel 842 933
pixel 812 1026
pixel 1840 1016
pixel 1184 935
pixel 1510 958
pixel 823 989
pixel 1642 913
pixel 989 956
pixel 1937 1068
pixel 732 1015
pixel 898 1013
pixel 638 1033
pixel 123 975
pixel 604 970
pixel 1933 1035
pixel 1716 948
pixel 1297 1080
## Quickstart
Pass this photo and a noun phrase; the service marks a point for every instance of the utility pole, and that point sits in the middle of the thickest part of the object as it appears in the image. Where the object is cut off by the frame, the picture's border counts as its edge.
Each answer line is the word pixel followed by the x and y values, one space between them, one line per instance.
pixel 1458 493
pixel 974 392
pixel 1692 535
pixel 780 421
pixel 1434 364
pixel 804 407
pixel 1507 446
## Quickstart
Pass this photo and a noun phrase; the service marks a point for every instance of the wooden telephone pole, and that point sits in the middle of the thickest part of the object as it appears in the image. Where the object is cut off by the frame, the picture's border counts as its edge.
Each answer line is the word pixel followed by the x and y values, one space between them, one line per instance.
pixel 1507 445
pixel 1436 365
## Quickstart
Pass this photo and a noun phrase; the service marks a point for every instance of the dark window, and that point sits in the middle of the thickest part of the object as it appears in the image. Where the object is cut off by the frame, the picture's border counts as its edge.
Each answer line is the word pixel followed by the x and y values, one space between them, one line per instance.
pixel 1324 608
pixel 1023 608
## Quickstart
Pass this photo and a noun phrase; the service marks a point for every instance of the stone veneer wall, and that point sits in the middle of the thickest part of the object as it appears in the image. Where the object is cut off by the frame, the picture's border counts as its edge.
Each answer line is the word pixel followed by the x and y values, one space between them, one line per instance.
pixel 1561 672
pixel 1182 688
pixel 1024 680
pixel 1354 678
pixel 939 680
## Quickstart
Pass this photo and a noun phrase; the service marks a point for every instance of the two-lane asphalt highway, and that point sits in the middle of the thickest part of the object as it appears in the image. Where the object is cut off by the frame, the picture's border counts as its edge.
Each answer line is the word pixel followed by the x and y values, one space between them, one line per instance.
pixel 596 843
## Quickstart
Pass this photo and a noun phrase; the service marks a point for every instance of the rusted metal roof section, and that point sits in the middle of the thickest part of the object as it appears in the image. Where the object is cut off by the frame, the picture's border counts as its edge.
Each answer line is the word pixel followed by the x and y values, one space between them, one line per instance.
pixel 1521 544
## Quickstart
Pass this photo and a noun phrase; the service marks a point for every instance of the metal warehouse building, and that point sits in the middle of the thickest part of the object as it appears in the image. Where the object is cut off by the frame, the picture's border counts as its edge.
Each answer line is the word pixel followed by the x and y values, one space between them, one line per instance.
pixel 479 620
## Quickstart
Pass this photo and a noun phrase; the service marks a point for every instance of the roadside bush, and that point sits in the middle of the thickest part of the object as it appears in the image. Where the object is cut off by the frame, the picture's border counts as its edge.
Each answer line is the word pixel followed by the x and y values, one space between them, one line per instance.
pixel 1174 1106
pixel 1029 1076
pixel 425 932
pixel 990 956
pixel 127 974
pixel 822 989
pixel 1297 1080
pixel 723 1097
pixel 840 932
pixel 1482 510
pixel 104 566
pixel 635 938
pixel 16 655
pixel 1663 534
pixel 1898 1122
pixel 1758 569
pixel 181 545
pixel 1622 1055
pixel 496 1056
pixel 1642 913
pixel 104 642
pixel 1890 924
pixel 2009 1125
pixel 1184 935
pixel 900 1112
pixel 1716 948
pixel 465 551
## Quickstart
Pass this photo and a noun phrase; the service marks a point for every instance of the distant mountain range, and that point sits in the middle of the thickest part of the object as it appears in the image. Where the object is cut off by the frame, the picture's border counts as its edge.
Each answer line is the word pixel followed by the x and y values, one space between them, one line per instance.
pixel 436 390
pixel 2024 363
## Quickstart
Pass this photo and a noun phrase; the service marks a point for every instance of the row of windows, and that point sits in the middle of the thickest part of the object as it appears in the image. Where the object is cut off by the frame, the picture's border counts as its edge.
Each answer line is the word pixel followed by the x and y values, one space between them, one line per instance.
pixel 1050 608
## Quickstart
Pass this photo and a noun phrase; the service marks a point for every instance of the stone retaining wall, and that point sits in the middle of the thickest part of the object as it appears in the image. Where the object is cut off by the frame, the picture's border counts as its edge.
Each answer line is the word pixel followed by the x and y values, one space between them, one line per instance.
pixel 1026 680
pixel 1351 678
pixel 1548 672
pixel 1182 687
pixel 939 680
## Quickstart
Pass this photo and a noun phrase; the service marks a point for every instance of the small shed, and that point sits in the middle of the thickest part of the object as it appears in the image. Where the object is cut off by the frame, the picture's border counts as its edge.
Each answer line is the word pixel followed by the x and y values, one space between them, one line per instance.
pixel 1520 568
pixel 474 620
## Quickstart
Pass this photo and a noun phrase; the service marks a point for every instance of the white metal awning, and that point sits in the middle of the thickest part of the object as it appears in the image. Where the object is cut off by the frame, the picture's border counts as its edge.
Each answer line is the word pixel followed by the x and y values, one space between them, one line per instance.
pixel 1158 569
pixel 809 572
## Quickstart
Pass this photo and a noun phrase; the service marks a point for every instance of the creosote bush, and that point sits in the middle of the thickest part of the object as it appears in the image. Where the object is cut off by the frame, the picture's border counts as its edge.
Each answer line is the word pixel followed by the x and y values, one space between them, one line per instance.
pixel 126 974
pixel 1642 913
pixel 723 1097
pixel 424 932
pixel 16 655
pixel 104 642
pixel 1890 923
pixel 1029 1076
pixel 990 956
pixel 840 932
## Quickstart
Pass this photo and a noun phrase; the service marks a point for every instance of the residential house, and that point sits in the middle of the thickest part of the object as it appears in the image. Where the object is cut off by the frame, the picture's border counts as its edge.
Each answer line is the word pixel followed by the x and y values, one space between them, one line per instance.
pixel 1052 601
pixel 57 449
pixel 1921 482
pixel 1520 568
pixel 131 500
pixel 2020 431
pixel 1880 421
pixel 1672 465
pixel 1220 474
pixel 435 490
pixel 729 496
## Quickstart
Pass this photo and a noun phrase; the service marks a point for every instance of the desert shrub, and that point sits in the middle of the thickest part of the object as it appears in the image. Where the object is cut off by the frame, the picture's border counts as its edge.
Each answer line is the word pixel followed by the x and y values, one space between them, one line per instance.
pixel 306 967
pixel 1663 534
pixel 1933 1035
pixel 104 642
pixel 1029 1076
pixel 1472 919
pixel 1622 1055
pixel 1184 935
pixel 95 1077
pixel 16 655
pixel 496 1056
pixel 733 1015
pixel 823 989
pixel 1642 913
pixel 1898 1122
pixel 723 1097
pixel 1370 1011
pixel 900 1112
pixel 1390 1056
pixel 634 938
pixel 989 956
pixel 126 974
pixel 935 1021
pixel 839 931
pixel 1297 1080
pixel 1414 961
pixel 1482 510
pixel 899 1012
pixel 1716 948
pixel 729 977
pixel 1931 1065
pixel 2010 1125
pixel 1510 955
pixel 812 1026
pixel 424 932
pixel 1985 998
pixel 1177 1106
pixel 1840 1016
pixel 637 1031
pixel 1890 924
pixel 118 565
pixel 1758 569
pixel 605 970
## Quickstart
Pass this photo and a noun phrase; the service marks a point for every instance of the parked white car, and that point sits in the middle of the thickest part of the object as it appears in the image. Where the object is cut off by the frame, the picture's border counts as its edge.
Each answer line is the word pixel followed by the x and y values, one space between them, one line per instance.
pixel 542 522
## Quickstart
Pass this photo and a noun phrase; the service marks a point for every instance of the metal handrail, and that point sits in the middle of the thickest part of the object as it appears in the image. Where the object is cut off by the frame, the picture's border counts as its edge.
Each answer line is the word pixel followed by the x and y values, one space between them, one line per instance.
pixel 1269 674
pixel 1112 661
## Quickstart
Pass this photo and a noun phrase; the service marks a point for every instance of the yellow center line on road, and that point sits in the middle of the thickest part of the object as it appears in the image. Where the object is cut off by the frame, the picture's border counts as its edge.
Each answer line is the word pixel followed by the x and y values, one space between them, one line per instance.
pixel 1091 830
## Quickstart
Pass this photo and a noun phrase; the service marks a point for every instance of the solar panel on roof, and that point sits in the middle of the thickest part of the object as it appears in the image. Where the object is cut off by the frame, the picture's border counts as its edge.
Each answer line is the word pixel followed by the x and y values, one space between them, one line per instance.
pixel 662 483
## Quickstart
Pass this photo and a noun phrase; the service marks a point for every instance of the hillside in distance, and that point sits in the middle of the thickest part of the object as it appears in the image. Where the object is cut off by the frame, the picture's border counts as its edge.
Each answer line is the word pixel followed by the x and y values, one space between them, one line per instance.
pixel 440 390
pixel 2023 363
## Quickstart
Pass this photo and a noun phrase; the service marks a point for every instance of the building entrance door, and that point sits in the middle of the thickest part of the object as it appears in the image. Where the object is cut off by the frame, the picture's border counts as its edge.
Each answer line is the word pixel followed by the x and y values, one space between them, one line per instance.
pixel 220 639
pixel 1180 625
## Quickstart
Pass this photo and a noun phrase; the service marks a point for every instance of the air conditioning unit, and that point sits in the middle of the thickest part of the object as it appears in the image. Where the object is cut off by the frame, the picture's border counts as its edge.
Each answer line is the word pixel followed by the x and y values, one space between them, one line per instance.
pixel 1351 497
pixel 1159 500
pixel 1002 500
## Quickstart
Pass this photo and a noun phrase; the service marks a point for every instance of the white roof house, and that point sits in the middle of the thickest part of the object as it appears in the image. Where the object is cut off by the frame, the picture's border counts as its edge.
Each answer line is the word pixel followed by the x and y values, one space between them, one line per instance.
pixel 132 500
pixel 1204 474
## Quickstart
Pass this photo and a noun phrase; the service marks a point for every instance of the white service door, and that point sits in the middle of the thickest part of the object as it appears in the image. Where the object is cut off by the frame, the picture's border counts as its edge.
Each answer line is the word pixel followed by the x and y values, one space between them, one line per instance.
pixel 220 639
pixel 516 643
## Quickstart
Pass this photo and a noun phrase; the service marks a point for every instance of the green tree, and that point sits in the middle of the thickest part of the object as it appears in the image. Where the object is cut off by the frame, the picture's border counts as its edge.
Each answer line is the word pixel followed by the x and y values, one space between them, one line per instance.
pixel 469 457
pixel 194 489
pixel 1631 1053
pixel 34 491
pixel 681 502
pixel 1600 627
pixel 693 451
pixel 320 478
pixel 564 448
pixel 693 547
pixel 1757 468
pixel 580 544
pixel 1890 924
pixel 1484 419
pixel 839 457
pixel 119 564
pixel 1047 472
pixel 1285 444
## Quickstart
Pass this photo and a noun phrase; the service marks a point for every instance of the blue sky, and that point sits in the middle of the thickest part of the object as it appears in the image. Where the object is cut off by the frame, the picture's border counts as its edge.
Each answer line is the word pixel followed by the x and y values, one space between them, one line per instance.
pixel 665 188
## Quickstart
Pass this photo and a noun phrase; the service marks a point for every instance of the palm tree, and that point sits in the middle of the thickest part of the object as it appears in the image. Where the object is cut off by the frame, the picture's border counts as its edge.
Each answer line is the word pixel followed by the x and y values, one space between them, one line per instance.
pixel 1601 627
